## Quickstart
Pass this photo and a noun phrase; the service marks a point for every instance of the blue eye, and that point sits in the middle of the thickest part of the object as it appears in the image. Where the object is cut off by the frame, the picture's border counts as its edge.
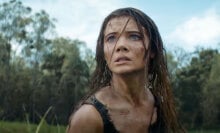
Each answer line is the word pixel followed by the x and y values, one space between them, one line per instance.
pixel 111 39
pixel 135 37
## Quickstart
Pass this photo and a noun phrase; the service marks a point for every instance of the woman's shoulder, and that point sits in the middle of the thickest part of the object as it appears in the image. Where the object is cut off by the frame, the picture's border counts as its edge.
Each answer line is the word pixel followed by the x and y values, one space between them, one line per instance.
pixel 86 119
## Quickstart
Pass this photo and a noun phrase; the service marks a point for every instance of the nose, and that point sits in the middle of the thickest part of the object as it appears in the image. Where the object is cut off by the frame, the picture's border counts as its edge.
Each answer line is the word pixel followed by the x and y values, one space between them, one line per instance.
pixel 121 45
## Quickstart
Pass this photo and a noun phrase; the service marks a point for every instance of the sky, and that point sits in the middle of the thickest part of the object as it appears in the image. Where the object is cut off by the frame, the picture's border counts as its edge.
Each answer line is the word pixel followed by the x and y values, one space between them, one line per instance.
pixel 186 24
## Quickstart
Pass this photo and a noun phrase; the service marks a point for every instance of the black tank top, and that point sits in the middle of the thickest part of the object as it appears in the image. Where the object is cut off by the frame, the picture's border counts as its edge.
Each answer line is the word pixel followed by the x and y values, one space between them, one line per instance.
pixel 108 125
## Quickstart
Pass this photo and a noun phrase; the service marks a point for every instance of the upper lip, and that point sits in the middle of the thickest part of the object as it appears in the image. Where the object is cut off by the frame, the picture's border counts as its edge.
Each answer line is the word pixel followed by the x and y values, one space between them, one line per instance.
pixel 122 58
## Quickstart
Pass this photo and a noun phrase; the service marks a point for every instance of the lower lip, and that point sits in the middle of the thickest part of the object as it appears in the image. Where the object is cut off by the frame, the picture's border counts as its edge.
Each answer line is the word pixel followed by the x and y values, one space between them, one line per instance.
pixel 121 62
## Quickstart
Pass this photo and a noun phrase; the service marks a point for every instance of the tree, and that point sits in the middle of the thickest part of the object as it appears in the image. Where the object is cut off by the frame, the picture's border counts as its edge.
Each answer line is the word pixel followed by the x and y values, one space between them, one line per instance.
pixel 64 78
pixel 211 104
pixel 21 30
pixel 13 21
pixel 14 18
pixel 190 81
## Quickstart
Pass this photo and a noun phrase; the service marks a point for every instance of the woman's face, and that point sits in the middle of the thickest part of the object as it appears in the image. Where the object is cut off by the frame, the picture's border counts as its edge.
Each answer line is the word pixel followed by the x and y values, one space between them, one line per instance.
pixel 123 46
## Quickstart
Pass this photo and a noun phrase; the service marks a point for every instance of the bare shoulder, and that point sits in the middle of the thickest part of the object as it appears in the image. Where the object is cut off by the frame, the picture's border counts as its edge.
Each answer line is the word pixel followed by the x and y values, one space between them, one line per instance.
pixel 86 120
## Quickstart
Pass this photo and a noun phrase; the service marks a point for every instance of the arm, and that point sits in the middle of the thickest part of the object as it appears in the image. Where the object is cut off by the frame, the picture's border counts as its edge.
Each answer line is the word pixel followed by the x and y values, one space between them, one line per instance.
pixel 86 120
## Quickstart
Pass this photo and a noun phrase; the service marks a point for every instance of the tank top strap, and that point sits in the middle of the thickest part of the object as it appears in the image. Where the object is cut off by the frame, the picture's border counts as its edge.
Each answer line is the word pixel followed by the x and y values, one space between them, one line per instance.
pixel 103 111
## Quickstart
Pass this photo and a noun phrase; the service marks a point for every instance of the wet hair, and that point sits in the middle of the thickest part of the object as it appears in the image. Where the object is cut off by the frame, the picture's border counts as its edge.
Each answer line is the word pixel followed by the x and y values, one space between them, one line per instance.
pixel 156 67
pixel 166 114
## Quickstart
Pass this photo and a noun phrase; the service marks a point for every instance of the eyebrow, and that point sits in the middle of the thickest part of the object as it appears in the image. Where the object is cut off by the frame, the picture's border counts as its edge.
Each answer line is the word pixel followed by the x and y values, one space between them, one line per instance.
pixel 125 31
pixel 133 31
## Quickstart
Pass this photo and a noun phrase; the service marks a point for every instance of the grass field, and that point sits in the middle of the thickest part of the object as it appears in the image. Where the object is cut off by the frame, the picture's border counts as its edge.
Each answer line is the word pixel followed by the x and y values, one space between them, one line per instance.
pixel 18 127
pixel 205 131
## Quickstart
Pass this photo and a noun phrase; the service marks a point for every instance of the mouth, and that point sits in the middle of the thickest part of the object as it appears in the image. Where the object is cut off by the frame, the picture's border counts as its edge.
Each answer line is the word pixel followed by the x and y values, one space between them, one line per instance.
pixel 120 59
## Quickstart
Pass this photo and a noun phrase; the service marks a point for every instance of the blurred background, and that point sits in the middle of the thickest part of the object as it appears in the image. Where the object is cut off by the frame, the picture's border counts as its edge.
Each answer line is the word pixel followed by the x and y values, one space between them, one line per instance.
pixel 47 50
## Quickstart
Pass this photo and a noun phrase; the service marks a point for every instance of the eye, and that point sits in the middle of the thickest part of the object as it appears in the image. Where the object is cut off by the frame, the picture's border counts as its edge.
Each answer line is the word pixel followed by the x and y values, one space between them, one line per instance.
pixel 135 37
pixel 111 38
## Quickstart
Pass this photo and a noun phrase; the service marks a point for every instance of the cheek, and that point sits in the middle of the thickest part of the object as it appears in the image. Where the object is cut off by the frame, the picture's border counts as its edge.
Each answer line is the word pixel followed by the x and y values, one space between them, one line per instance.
pixel 141 52
pixel 142 49
pixel 145 49
pixel 107 53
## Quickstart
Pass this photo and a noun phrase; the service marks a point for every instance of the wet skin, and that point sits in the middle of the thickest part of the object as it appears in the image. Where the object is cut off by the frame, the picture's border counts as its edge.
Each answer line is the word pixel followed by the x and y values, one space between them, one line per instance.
pixel 130 104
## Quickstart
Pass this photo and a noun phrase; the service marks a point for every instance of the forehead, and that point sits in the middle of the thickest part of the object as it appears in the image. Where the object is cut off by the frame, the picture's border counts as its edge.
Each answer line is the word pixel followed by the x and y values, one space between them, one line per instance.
pixel 117 24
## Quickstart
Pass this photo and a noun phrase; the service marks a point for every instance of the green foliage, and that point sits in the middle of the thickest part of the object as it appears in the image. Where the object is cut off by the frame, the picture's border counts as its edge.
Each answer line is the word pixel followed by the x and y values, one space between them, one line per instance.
pixel 190 86
pixel 4 55
pixel 13 20
pixel 42 71
pixel 42 120
pixel 39 70
pixel 211 103
pixel 18 127
pixel 204 131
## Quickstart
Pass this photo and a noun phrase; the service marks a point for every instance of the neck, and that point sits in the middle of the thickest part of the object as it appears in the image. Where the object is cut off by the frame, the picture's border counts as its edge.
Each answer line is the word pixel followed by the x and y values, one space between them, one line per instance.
pixel 130 87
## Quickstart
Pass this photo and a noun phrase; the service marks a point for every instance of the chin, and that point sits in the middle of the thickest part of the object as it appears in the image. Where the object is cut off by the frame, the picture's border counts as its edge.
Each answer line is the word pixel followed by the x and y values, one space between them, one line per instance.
pixel 126 71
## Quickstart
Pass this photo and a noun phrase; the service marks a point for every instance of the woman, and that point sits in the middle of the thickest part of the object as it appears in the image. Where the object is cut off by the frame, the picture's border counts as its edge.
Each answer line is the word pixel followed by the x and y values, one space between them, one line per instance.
pixel 130 88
